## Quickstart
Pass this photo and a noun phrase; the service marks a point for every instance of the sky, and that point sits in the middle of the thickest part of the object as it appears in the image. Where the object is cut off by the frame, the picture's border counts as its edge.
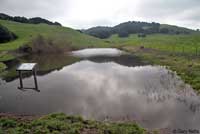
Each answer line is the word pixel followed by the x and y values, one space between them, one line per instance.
pixel 82 14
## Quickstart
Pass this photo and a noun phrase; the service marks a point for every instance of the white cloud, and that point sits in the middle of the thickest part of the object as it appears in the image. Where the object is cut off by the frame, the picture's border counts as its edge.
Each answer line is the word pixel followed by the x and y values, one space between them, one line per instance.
pixel 88 13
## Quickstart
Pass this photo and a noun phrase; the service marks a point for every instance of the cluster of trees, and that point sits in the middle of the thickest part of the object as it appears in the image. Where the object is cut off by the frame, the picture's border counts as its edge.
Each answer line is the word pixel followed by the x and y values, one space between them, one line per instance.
pixel 131 27
pixel 6 35
pixel 35 20
pixel 100 32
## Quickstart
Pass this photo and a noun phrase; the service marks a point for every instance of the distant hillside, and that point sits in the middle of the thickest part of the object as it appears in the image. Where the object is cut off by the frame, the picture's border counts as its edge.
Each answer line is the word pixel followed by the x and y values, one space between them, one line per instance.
pixel 134 27
pixel 35 20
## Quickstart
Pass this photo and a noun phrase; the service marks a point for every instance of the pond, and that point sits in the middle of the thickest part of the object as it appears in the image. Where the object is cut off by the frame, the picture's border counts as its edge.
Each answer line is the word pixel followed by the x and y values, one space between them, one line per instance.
pixel 104 84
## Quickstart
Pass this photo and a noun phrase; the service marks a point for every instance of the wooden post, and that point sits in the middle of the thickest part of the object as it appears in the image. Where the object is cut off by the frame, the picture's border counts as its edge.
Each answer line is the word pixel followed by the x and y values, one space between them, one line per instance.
pixel 35 79
pixel 20 79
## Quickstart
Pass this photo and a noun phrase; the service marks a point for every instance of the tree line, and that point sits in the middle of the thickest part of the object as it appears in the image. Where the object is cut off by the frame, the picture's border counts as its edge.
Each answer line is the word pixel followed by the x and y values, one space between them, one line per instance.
pixel 35 20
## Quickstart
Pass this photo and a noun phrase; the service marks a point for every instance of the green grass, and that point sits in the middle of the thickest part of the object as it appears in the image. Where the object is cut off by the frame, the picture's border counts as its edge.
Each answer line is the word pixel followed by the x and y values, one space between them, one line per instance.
pixel 60 123
pixel 5 56
pixel 170 43
pixel 60 35
pixel 2 66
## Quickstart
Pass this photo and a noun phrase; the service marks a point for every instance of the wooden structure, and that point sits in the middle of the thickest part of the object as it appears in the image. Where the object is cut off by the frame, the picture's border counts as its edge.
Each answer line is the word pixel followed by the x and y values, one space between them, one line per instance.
pixel 27 67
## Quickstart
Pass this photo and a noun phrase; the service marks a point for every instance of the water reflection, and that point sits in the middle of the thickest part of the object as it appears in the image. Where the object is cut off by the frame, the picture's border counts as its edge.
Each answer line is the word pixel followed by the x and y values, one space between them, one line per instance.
pixel 151 95
pixel 92 52
pixel 46 64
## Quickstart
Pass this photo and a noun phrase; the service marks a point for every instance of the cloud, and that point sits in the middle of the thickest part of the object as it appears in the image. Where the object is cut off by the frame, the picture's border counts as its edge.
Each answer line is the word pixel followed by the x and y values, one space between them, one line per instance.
pixel 43 8
pixel 88 13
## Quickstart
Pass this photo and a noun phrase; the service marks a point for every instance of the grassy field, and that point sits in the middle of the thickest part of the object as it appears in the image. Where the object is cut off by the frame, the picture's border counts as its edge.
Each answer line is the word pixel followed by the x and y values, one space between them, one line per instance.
pixel 61 124
pixel 187 44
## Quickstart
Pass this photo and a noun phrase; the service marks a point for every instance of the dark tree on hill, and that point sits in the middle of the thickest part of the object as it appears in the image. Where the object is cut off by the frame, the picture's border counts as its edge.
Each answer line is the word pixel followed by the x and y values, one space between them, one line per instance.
pixel 129 27
pixel 164 30
pixel 5 16
pixel 57 23
pixel 6 35
pixel 123 34
pixel 20 19
pixel 141 35
pixel 178 32
pixel 36 20
pixel 99 32
pixel 152 28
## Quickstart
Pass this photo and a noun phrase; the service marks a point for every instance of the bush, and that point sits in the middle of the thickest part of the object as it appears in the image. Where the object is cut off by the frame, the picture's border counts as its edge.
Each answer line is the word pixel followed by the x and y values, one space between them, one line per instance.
pixel 141 35
pixel 164 30
pixel 6 35
pixel 40 45
pixel 123 34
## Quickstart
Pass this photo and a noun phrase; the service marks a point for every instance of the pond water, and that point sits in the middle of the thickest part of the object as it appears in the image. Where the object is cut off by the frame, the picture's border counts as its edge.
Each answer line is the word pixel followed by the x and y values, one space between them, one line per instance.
pixel 110 86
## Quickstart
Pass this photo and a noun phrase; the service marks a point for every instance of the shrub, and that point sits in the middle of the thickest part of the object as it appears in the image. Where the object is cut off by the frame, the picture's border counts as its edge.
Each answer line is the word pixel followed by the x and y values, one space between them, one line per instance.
pixel 40 44
pixel 6 35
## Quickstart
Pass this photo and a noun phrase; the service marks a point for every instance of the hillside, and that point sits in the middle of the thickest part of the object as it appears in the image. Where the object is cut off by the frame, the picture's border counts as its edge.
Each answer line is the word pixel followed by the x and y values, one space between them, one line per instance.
pixel 134 27
pixel 35 20
pixel 60 37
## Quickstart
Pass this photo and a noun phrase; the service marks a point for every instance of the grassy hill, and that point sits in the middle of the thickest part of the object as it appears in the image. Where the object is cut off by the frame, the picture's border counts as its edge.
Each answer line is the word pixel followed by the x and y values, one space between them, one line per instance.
pixel 135 27
pixel 62 37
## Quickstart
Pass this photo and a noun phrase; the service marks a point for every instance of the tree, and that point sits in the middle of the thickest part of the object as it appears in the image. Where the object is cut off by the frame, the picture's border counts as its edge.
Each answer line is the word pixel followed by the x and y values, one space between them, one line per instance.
pixel 57 23
pixel 6 35
pixel 20 19
pixel 99 32
pixel 164 30
pixel 35 20
pixel 123 33
pixel 141 35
